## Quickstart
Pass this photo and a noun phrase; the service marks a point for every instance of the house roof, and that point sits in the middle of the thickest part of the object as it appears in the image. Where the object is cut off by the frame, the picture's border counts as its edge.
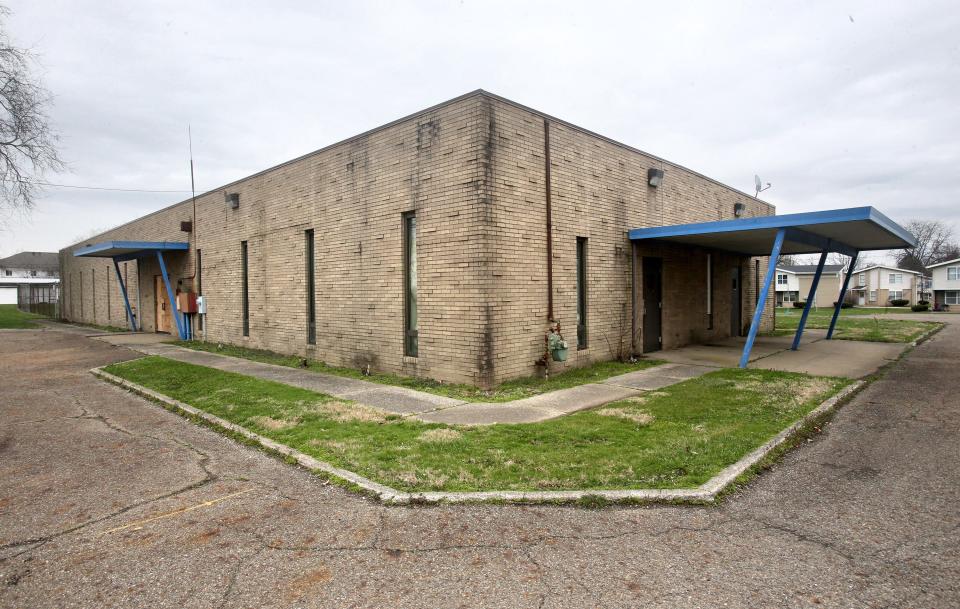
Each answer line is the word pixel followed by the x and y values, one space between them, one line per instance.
pixel 39 261
pixel 889 268
pixel 810 269
pixel 954 261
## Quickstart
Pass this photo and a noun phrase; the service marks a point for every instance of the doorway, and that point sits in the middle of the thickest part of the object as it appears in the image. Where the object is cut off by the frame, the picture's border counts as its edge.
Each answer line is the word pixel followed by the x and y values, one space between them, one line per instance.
pixel 652 304
pixel 164 315
pixel 735 302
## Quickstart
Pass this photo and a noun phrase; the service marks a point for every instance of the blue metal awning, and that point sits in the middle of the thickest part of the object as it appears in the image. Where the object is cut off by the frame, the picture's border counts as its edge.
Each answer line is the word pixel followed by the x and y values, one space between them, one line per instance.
pixel 130 250
pixel 847 231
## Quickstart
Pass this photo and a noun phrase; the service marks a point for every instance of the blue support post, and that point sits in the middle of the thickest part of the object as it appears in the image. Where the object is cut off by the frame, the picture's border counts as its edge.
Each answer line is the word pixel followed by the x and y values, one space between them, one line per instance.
pixel 170 295
pixel 126 301
pixel 810 298
pixel 762 300
pixel 843 294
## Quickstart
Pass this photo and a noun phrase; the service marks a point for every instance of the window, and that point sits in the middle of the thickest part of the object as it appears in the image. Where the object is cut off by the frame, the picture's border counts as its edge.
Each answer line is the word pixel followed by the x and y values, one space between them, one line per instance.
pixel 710 291
pixel 873 296
pixel 895 295
pixel 581 292
pixel 863 279
pixel 33 273
pixel 311 288
pixel 896 278
pixel 8 272
pixel 951 298
pixel 199 273
pixel 953 273
pixel 411 346
pixel 781 279
pixel 245 295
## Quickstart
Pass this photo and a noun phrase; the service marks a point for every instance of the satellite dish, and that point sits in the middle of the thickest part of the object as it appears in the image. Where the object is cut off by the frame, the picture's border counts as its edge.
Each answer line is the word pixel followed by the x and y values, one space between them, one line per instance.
pixel 759 185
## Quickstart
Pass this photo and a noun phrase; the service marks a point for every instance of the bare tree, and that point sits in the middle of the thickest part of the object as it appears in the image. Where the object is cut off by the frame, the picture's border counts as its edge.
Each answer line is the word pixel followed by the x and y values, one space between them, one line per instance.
pixel 28 144
pixel 935 243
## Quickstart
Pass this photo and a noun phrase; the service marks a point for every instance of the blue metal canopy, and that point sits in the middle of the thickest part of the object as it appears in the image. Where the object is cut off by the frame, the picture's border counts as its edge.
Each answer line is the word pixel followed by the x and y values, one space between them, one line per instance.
pixel 130 250
pixel 847 231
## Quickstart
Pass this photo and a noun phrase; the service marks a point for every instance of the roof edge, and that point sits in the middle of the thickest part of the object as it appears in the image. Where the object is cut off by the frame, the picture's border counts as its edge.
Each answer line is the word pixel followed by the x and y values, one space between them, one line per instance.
pixel 457 99
pixel 933 266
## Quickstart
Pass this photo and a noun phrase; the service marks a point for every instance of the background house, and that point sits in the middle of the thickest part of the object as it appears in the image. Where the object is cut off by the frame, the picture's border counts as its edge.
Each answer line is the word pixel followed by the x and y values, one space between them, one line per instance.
pixel 945 283
pixel 794 280
pixel 31 280
pixel 877 286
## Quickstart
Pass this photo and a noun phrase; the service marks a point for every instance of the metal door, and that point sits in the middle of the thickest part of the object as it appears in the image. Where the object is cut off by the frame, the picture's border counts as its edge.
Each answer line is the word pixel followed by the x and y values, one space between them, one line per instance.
pixel 652 304
pixel 164 314
pixel 735 302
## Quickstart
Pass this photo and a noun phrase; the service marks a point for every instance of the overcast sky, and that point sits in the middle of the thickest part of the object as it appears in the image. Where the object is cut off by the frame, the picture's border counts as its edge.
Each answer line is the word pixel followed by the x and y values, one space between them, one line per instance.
pixel 837 104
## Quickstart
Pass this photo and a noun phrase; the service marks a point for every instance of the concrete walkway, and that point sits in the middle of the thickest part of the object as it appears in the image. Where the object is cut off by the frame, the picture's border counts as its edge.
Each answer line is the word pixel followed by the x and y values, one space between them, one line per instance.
pixel 420 405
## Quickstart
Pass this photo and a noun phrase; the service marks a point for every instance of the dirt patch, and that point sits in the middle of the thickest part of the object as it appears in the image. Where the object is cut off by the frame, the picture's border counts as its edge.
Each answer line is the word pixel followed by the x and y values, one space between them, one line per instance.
pixel 440 435
pixel 344 412
pixel 299 586
pixel 275 424
pixel 640 417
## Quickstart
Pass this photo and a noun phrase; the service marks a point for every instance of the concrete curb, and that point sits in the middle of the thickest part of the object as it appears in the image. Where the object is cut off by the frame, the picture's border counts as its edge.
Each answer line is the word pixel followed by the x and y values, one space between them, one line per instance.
pixel 923 337
pixel 706 493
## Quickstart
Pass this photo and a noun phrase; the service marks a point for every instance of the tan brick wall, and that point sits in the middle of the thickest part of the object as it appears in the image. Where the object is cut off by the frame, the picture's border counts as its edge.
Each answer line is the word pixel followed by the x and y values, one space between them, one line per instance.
pixel 599 191
pixel 473 170
pixel 353 195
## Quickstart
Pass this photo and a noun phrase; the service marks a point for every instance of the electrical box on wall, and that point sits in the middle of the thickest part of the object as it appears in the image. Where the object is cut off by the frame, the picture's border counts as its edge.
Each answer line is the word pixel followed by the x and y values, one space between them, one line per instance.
pixel 201 305
pixel 187 302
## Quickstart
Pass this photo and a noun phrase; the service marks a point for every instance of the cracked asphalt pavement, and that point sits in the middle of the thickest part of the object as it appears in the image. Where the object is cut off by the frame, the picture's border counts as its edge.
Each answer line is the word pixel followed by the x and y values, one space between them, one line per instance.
pixel 107 500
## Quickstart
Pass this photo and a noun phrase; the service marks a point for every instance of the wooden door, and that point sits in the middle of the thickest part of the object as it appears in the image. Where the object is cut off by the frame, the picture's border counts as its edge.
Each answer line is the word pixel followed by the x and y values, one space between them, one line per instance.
pixel 164 315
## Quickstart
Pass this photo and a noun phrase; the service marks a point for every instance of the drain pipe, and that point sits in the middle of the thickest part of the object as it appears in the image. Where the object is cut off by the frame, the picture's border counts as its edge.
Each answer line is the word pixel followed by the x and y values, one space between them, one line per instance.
pixel 546 157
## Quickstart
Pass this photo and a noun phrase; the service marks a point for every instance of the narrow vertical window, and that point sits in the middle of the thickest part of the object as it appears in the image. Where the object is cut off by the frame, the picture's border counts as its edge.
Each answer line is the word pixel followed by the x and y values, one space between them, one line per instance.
pixel 581 292
pixel 199 273
pixel 107 273
pixel 710 291
pixel 410 336
pixel 311 288
pixel 245 295
pixel 93 292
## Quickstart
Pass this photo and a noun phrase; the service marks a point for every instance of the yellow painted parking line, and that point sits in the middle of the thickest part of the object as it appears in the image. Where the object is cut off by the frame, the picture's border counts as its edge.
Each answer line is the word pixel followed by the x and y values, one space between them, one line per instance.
pixel 140 523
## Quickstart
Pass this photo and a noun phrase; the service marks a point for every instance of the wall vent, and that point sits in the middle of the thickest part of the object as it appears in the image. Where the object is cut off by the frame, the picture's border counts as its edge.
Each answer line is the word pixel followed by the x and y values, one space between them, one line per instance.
pixel 233 200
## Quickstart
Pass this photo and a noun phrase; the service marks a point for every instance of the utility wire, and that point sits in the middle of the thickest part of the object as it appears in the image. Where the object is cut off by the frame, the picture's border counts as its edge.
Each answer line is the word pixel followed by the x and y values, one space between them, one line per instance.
pixel 99 187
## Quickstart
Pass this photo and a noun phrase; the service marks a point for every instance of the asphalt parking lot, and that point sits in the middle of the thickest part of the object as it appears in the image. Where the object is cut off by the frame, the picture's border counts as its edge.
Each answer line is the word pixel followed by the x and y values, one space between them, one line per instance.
pixel 107 500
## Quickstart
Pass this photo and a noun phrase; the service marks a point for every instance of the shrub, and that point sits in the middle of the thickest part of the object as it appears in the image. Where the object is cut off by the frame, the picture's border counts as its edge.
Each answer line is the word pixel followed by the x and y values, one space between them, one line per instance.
pixel 845 305
pixel 923 302
pixel 917 308
pixel 899 302
pixel 799 305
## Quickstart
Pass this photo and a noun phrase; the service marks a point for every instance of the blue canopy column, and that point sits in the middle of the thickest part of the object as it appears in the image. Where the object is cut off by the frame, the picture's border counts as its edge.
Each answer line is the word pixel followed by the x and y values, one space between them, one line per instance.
pixel 845 231
pixel 120 251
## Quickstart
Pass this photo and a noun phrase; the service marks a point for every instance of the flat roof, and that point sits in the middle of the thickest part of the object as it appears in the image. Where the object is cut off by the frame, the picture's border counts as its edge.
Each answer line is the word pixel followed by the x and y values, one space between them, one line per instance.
pixel 111 249
pixel 843 230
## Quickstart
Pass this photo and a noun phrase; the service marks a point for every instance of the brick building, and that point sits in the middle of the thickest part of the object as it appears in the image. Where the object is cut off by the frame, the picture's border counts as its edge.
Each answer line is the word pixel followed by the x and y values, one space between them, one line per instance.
pixel 439 245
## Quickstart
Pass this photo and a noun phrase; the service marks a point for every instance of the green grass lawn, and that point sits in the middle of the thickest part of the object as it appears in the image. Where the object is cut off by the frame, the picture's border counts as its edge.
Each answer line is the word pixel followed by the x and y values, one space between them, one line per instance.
pixel 853 326
pixel 13 318
pixel 508 391
pixel 678 437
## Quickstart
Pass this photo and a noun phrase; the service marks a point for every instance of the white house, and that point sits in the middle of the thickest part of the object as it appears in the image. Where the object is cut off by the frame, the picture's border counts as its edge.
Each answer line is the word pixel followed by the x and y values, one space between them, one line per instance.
pixel 793 284
pixel 30 278
pixel 946 282
pixel 878 285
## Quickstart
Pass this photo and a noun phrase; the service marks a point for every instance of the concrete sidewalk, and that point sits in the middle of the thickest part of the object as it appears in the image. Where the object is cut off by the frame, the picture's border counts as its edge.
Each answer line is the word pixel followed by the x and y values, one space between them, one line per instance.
pixel 421 405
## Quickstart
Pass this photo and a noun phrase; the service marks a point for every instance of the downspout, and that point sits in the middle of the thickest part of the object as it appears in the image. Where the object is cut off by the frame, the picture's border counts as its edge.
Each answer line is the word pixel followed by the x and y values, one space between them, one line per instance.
pixel 546 157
